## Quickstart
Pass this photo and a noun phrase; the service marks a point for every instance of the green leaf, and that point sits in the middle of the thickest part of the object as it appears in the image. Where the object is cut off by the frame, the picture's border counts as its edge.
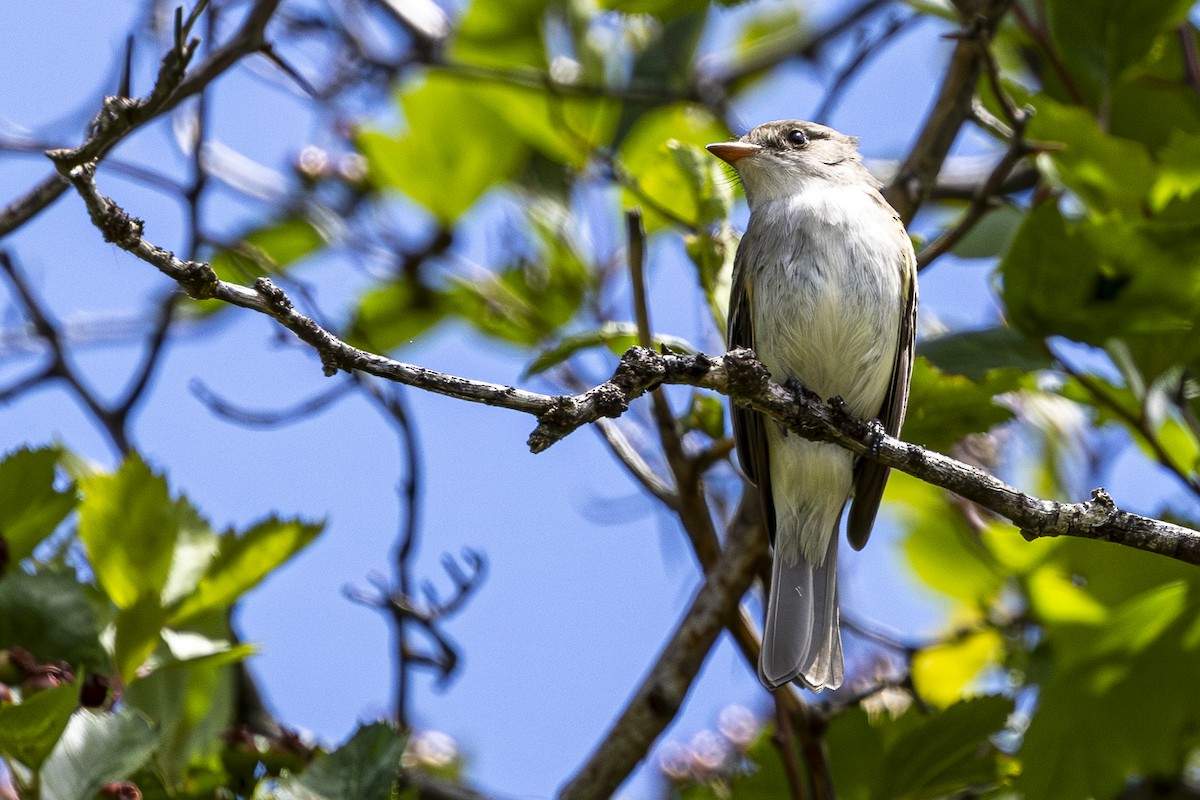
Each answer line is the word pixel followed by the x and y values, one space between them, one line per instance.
pixel 29 731
pixel 942 673
pixel 941 548
pixel 128 525
pixel 189 695
pixel 136 635
pixel 97 748
pixel 1140 671
pixel 30 507
pixel 267 250
pixel 946 752
pixel 663 9
pixel 712 250
pixel 1107 172
pixel 395 314
pixel 668 180
pixel 616 336
pixel 364 768
pixel 707 414
pixel 530 301
pixel 241 562
pixel 856 751
pixel 50 616
pixel 1138 281
pixel 454 148
pixel 501 34
pixel 942 408
pixel 1179 170
pixel 1101 39
pixel 976 353
pixel 991 236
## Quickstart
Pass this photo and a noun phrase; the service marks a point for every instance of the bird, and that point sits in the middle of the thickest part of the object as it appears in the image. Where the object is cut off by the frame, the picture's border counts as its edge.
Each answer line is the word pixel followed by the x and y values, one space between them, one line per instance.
pixel 824 292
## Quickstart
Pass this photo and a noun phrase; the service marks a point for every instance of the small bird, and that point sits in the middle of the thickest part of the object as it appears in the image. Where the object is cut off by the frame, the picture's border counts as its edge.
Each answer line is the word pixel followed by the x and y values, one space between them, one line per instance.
pixel 825 293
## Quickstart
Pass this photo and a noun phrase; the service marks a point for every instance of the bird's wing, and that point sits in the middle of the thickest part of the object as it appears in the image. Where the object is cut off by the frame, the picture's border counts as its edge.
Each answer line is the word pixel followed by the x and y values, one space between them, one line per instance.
pixel 870 477
pixel 749 427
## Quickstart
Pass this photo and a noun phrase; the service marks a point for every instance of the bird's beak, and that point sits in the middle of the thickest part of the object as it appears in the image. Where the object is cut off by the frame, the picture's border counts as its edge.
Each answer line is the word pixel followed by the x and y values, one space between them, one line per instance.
pixel 731 152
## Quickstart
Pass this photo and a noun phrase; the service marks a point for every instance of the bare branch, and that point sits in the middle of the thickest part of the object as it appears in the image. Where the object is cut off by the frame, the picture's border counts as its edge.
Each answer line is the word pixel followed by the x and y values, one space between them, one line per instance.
pixel 917 176
pixel 120 116
pixel 662 693
pixel 737 374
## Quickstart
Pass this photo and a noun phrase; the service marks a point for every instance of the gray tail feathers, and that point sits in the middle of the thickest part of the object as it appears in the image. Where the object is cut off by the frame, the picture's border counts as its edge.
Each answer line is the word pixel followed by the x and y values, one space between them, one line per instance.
pixel 801 638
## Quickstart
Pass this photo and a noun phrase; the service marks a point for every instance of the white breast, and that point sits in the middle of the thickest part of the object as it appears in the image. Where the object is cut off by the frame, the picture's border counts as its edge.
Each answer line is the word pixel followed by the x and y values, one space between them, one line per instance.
pixel 826 292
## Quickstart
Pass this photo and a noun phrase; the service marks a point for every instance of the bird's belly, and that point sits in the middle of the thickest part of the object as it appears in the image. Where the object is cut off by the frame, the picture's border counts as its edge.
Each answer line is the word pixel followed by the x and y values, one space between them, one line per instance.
pixel 834 329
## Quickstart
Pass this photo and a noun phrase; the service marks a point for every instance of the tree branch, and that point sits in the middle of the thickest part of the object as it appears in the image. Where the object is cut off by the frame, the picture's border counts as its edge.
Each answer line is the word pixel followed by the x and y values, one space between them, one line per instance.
pixel 917 176
pixel 662 692
pixel 737 374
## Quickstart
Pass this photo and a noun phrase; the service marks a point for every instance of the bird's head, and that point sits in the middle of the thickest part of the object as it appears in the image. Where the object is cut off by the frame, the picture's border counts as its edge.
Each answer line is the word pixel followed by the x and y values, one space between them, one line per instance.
pixel 786 157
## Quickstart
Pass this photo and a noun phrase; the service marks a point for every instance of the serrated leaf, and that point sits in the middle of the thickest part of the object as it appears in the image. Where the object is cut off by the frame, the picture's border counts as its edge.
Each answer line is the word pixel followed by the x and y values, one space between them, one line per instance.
pixel 96 748
pixel 942 408
pixel 669 186
pixel 945 752
pixel 364 768
pixel 976 353
pixel 241 562
pixel 441 161
pixel 29 731
pixel 31 508
pixel 128 525
pixel 49 615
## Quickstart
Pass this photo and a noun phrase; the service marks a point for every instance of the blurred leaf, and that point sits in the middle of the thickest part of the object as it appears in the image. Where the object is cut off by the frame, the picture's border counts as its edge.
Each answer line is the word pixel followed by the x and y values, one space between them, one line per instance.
pixel 772 30
pixel 663 9
pixel 530 301
pixel 241 562
pixel 616 336
pixel 976 353
pixel 453 150
pixel 1055 597
pixel 501 33
pixel 189 696
pixel 1094 281
pixel 942 408
pixel 1179 170
pixel 564 127
pixel 137 630
pixel 941 549
pixel 30 507
pixel 670 181
pixel 364 768
pixel 945 752
pixel 991 236
pixel 1108 172
pixel 128 525
pixel 713 251
pixel 266 251
pixel 942 673
pixel 395 314
pixel 28 731
pixel 50 616
pixel 1140 671
pixel 856 751
pixel 1101 39
pixel 97 748
pixel 705 413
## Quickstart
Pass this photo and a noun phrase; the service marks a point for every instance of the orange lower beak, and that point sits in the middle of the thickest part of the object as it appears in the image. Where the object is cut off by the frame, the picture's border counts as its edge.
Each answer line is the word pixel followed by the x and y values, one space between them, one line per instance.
pixel 731 152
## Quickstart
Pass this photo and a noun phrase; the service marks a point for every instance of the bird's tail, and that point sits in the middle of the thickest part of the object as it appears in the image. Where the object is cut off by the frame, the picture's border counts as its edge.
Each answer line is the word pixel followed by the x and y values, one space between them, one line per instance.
pixel 801 638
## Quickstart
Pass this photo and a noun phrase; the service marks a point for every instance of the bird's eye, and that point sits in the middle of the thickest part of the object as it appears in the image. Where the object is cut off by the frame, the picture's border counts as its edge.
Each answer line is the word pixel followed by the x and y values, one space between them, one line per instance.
pixel 796 138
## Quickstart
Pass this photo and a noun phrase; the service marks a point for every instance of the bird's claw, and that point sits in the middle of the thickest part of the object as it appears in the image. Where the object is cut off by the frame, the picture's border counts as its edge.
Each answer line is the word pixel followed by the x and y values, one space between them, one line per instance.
pixel 875 436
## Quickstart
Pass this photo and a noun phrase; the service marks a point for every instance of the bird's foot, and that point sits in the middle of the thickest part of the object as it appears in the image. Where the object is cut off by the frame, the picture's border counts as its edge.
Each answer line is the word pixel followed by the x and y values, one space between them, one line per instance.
pixel 875 436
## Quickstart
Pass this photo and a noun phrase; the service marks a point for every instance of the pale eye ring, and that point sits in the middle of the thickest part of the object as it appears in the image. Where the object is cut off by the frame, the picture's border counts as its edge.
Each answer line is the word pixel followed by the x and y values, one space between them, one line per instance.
pixel 796 138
